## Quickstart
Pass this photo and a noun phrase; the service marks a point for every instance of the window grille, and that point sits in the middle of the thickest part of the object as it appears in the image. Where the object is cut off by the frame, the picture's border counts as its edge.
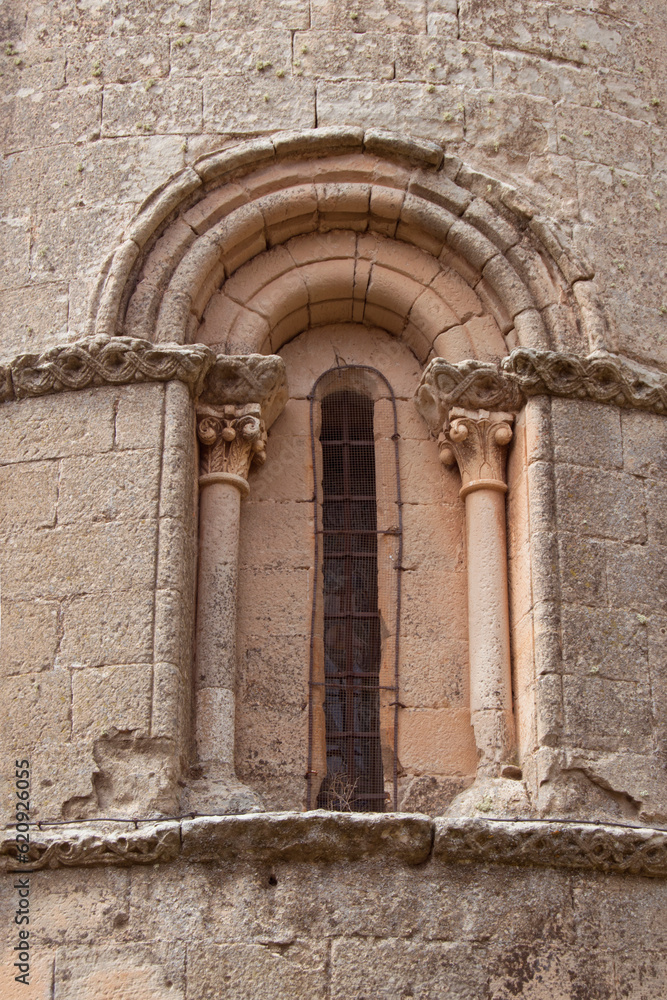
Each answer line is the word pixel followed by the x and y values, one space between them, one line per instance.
pixel 353 678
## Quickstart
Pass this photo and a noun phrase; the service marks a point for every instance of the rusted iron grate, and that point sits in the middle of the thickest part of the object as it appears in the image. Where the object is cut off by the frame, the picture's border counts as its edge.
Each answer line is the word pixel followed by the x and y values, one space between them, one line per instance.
pixel 353 681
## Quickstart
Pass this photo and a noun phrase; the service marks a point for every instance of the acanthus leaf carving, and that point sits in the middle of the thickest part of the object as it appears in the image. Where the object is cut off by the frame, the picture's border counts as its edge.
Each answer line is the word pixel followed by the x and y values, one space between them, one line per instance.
pixel 231 438
pixel 476 440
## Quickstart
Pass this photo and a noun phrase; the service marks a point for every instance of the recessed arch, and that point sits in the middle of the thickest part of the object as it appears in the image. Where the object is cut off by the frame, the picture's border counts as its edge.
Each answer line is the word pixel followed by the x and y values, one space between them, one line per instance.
pixel 253 244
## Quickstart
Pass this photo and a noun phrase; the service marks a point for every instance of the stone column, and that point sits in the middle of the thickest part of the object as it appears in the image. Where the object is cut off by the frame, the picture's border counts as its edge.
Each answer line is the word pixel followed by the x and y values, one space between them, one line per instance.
pixel 452 399
pixel 477 441
pixel 232 437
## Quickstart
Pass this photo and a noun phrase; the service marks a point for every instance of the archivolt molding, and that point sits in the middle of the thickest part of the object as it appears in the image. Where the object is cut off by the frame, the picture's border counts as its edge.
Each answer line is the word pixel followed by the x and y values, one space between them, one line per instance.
pixel 233 206
pixel 326 837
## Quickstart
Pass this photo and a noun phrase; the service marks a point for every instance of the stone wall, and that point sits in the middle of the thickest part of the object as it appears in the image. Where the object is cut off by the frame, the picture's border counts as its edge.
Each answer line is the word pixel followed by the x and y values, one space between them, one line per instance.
pixel 565 100
pixel 312 915
pixel 98 520
pixel 586 521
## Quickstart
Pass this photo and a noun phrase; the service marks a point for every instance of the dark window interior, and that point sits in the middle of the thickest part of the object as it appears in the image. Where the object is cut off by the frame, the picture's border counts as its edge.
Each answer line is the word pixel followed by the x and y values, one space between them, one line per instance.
pixel 354 779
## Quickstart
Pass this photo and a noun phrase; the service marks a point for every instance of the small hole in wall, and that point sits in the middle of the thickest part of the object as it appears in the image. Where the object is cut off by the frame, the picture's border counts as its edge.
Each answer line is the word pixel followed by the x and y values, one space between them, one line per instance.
pixel 273 880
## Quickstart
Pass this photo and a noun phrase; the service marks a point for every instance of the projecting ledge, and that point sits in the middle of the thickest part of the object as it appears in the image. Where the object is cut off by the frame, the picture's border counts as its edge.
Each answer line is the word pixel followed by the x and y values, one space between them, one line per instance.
pixel 323 837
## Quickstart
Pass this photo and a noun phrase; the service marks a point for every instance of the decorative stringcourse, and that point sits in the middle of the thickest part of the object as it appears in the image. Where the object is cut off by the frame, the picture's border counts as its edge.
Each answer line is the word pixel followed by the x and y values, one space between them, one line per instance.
pixel 323 836
pixel 624 850
pixel 104 361
pixel 601 377
pixel 605 378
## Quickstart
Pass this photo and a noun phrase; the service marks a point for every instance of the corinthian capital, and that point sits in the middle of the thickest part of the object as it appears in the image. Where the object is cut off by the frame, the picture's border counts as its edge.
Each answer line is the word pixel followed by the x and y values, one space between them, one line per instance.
pixel 241 397
pixel 231 438
pixel 477 441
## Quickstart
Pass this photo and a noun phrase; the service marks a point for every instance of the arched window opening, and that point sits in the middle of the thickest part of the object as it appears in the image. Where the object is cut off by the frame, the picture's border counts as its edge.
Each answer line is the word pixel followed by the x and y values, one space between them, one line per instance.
pixel 354 664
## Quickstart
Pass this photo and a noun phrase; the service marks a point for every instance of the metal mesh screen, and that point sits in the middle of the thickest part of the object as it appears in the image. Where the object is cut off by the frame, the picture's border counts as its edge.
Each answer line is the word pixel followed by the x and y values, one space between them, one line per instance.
pixel 356 603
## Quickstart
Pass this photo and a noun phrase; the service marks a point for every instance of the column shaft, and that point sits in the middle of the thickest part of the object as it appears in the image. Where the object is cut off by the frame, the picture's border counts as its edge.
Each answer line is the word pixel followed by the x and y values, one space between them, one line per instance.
pixel 220 513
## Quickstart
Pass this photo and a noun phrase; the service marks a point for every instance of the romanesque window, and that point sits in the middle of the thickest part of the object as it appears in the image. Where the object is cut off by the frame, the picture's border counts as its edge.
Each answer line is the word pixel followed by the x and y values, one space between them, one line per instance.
pixel 354 647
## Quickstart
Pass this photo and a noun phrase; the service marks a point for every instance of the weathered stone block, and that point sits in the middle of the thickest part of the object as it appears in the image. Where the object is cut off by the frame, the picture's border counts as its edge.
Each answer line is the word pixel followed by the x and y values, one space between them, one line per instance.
pixel 28 495
pixel 518 24
pixel 401 107
pixel 29 637
pixel 123 59
pixel 637 577
pixel 79 423
pixel 107 628
pixel 517 124
pixel 401 16
pixel 139 417
pixel 612 644
pixel 516 71
pixel 123 972
pixel 265 103
pixel 111 698
pixel 388 968
pixel 272 671
pixel 15 250
pixel 443 60
pixel 281 608
pixel 644 444
pixel 118 486
pixel 432 537
pixel 69 560
pixel 272 14
pixel 177 549
pixel 277 534
pixel 68 115
pixel 591 134
pixel 588 433
pixel 583 570
pixel 343 55
pixel 263 51
pixel 437 741
pixel 131 109
pixel 600 504
pixel 44 699
pixel 25 313
pixel 433 677
pixel 601 714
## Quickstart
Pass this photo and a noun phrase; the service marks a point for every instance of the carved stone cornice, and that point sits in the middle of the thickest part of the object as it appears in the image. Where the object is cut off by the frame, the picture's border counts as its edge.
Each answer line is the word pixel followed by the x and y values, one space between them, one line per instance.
pixel 105 361
pixel 596 847
pixel 318 836
pixel 601 378
pixel 98 361
pixel 473 385
pixel 241 396
pixel 477 440
pixel 243 379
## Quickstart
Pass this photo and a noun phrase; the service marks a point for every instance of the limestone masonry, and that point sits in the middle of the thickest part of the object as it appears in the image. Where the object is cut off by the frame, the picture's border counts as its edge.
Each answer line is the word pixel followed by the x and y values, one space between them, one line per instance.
pixel 333 499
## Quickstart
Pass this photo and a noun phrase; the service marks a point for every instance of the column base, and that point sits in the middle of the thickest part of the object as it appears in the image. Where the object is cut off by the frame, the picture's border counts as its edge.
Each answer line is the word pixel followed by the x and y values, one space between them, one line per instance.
pixel 222 795
pixel 493 798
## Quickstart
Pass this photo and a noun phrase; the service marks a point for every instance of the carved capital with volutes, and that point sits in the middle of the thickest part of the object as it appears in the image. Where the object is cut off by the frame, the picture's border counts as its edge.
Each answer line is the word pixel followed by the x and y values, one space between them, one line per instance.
pixel 231 438
pixel 476 440
pixel 241 397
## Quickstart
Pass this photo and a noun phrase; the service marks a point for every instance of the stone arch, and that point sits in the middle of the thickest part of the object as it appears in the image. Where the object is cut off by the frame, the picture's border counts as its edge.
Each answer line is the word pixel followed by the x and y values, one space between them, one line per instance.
pixel 253 244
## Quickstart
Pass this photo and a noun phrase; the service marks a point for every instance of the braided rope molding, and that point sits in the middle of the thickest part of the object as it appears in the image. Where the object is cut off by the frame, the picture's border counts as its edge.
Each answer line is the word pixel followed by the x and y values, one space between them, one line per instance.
pixel 602 848
pixel 104 361
pixel 600 377
pixel 325 837
pixel 107 361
